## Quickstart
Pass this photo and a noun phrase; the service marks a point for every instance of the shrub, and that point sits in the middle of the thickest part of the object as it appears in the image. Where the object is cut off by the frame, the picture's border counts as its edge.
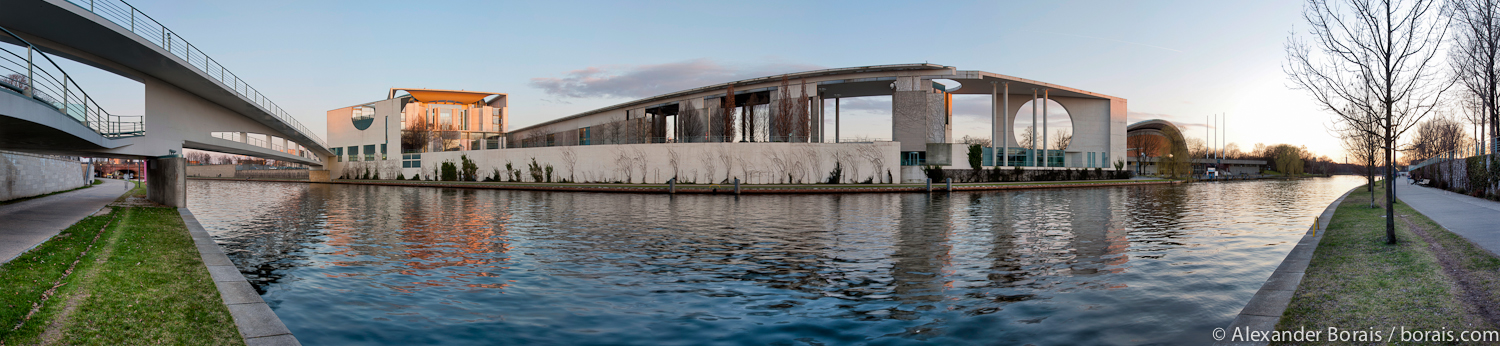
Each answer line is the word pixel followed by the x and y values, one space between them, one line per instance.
pixel 837 175
pixel 536 171
pixel 935 173
pixel 400 176
pixel 469 170
pixel 449 171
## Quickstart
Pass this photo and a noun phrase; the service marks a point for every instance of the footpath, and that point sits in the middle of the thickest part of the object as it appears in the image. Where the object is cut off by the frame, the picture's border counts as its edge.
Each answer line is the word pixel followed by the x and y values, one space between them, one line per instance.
pixel 31 222
pixel 1470 217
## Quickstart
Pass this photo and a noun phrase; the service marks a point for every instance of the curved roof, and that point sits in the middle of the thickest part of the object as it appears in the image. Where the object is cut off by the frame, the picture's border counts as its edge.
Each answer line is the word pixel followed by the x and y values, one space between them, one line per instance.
pixel 439 95
pixel 1153 127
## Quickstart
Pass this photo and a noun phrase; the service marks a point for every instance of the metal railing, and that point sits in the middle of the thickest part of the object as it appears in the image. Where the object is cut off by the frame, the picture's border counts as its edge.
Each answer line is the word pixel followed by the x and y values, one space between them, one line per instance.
pixel 1462 152
pixel 137 22
pixel 46 82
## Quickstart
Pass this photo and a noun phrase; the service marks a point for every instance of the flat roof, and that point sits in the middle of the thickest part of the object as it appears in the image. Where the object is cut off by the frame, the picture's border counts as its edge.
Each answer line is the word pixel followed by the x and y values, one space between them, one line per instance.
pixel 439 95
pixel 854 87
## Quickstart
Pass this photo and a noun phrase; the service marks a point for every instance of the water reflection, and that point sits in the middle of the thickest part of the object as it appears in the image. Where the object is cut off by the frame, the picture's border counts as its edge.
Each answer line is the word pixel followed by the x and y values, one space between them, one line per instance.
pixel 348 264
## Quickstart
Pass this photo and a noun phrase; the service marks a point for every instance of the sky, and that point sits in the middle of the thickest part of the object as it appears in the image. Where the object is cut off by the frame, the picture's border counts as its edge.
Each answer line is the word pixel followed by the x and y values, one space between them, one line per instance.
pixel 1176 60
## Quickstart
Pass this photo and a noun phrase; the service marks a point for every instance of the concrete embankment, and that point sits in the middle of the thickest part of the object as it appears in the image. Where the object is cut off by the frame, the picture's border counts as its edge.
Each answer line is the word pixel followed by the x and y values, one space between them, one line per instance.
pixel 730 188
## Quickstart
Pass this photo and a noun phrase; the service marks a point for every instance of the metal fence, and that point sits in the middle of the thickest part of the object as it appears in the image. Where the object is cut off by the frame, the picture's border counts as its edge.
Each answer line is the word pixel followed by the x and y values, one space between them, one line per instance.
pixel 42 80
pixel 133 20
pixel 1462 152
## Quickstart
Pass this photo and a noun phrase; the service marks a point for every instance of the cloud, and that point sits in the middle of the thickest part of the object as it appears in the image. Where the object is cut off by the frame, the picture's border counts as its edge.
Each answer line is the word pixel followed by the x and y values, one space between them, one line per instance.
pixel 636 81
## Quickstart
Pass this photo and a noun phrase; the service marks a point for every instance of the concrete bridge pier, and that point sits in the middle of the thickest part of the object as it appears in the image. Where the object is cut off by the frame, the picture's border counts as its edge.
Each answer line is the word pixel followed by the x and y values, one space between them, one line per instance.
pixel 166 181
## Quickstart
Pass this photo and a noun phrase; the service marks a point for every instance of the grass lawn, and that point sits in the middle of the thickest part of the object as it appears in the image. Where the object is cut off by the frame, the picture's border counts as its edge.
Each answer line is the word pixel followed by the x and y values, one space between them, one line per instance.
pixel 1424 282
pixel 138 281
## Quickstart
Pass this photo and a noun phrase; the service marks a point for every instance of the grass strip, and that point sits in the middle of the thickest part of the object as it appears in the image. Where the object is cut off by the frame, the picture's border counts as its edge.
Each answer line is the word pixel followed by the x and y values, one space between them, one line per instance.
pixel 1357 282
pixel 17 200
pixel 142 284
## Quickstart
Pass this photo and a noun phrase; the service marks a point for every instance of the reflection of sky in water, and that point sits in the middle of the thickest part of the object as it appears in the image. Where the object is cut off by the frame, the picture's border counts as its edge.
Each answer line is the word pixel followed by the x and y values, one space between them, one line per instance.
pixel 345 264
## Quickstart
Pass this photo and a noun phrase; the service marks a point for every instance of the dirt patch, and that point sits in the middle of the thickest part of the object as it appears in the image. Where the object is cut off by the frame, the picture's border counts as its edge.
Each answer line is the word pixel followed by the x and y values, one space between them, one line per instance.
pixel 54 331
pixel 1474 293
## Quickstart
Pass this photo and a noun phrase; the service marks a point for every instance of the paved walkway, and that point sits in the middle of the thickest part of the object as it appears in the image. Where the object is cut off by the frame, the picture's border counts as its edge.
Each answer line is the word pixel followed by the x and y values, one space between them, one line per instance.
pixel 32 222
pixel 1472 218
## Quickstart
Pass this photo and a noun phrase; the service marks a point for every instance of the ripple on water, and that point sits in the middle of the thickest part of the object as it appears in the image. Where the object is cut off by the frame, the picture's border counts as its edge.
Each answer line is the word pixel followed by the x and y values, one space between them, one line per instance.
pixel 348 264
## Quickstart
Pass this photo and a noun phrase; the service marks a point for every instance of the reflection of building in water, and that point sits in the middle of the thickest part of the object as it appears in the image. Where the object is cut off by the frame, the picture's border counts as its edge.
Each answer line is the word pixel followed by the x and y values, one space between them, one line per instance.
pixel 922 249
pixel 461 232
pixel 1098 237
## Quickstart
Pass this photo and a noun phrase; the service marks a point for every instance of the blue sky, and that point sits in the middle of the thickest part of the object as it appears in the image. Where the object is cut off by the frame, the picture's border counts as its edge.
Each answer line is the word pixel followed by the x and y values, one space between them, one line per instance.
pixel 1177 60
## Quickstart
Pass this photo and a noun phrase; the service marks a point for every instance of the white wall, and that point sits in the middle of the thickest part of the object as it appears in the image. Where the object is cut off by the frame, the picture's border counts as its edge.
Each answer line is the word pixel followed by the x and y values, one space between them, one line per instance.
pixel 26 175
pixel 702 163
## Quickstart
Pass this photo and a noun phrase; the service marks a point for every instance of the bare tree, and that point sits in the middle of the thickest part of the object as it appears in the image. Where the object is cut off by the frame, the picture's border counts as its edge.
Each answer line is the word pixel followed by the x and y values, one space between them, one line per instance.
pixel 416 135
pixel 1365 147
pixel 726 116
pixel 1475 58
pixel 1372 61
pixel 1026 140
pixel 198 157
pixel 674 159
pixel 17 81
pixel 692 126
pixel 750 127
pixel 570 160
pixel 1437 136
pixel 1146 145
pixel 1062 138
pixel 802 117
pixel 781 115
pixel 727 159
pixel 872 153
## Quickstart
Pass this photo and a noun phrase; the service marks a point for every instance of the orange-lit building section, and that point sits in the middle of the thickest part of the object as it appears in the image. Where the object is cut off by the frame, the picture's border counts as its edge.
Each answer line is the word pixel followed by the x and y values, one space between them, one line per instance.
pixel 457 120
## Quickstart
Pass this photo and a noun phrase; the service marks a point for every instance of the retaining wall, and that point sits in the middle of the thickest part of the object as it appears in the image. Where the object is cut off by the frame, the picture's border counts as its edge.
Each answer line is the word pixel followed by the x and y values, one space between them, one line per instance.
pixel 752 163
pixel 26 175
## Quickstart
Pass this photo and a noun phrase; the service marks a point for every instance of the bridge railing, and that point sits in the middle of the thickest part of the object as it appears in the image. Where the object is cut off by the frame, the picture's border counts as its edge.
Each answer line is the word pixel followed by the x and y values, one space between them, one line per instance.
pixel 1462 152
pixel 128 17
pixel 26 70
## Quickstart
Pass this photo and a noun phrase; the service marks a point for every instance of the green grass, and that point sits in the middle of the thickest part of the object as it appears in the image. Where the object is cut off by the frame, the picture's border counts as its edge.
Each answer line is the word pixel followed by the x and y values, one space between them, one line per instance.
pixel 16 200
pixel 141 283
pixel 1356 281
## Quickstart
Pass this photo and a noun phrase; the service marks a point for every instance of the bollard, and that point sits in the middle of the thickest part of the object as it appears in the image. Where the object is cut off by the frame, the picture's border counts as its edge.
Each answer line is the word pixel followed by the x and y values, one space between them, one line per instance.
pixel 929 184
pixel 950 184
pixel 672 186
pixel 736 186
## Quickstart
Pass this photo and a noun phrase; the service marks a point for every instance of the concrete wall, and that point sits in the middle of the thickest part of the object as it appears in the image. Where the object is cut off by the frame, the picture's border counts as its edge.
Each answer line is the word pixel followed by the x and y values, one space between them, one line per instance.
pixel 703 163
pixel 215 171
pixel 26 175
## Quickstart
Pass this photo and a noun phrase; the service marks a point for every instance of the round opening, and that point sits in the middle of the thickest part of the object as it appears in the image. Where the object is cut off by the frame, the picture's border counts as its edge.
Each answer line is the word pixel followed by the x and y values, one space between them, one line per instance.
pixel 363 116
pixel 1058 124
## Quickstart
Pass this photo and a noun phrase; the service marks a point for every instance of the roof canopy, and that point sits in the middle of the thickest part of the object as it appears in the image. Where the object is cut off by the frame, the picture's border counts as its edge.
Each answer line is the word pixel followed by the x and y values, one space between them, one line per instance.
pixel 438 95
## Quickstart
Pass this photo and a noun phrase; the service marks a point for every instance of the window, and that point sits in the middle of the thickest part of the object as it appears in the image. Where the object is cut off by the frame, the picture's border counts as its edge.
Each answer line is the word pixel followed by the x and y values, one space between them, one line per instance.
pixel 382 151
pixel 339 154
pixel 411 160
pixel 362 117
pixel 353 153
pixel 370 152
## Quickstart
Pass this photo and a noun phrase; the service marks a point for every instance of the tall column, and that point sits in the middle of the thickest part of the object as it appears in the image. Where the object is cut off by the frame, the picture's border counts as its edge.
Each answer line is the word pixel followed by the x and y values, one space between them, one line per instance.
pixel 995 124
pixel 1009 126
pixel 1032 149
pixel 817 119
pixel 166 181
pixel 836 103
pixel 1046 156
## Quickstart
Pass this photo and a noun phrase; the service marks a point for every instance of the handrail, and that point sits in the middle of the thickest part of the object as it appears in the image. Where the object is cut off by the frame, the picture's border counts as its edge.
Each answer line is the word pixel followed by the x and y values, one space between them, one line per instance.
pixel 142 25
pixel 39 83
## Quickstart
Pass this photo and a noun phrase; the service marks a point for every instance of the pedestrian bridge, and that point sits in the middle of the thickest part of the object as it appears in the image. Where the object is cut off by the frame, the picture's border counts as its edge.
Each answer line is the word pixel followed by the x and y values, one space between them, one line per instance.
pixel 191 101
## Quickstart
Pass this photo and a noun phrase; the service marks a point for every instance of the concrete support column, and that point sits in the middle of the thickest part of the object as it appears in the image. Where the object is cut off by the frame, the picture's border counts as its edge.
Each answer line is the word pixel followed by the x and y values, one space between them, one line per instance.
pixel 244 138
pixel 166 181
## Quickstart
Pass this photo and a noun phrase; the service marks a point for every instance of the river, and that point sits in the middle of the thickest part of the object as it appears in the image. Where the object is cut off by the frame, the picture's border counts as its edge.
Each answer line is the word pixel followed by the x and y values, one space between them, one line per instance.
pixel 379 265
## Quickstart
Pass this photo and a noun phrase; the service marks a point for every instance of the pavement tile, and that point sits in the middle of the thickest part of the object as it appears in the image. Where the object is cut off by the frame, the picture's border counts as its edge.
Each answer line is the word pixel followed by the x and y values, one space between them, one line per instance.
pixel 257 320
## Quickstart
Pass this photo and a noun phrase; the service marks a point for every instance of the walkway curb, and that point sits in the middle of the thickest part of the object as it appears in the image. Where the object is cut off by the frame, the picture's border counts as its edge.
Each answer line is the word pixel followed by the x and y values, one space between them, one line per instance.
pixel 1265 308
pixel 257 323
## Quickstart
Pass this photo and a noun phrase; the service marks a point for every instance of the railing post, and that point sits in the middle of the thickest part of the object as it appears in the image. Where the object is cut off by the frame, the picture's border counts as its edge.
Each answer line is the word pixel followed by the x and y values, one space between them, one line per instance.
pixel 65 101
pixel 30 80
pixel 132 19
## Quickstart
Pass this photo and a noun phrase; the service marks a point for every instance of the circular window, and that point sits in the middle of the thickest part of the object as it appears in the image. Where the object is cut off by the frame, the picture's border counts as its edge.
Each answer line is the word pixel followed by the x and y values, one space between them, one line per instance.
pixel 363 116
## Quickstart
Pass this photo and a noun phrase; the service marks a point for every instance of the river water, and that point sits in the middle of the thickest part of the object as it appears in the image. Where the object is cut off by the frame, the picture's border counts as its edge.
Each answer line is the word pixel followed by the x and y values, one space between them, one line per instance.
pixel 1157 264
